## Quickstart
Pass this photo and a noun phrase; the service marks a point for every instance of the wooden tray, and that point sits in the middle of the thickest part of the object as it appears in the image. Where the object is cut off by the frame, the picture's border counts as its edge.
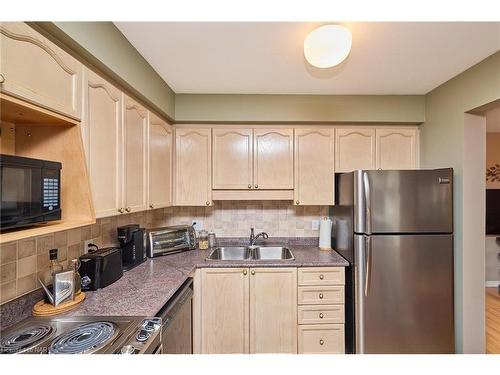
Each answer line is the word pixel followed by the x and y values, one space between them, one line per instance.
pixel 43 308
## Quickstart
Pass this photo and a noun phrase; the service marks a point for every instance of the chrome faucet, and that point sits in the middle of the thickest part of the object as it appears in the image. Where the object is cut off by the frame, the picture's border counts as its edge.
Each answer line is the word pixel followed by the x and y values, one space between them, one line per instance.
pixel 254 238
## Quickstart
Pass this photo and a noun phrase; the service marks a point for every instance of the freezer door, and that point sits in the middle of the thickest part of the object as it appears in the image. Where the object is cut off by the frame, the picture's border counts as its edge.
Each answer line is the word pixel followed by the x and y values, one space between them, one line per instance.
pixel 404 294
pixel 408 201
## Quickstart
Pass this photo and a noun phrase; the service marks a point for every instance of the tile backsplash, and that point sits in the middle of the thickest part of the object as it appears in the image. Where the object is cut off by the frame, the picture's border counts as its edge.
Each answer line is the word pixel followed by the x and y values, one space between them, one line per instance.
pixel 22 261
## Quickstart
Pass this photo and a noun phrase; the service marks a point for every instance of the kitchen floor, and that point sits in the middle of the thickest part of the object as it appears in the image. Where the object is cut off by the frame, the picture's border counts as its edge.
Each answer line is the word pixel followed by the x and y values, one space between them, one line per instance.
pixel 492 321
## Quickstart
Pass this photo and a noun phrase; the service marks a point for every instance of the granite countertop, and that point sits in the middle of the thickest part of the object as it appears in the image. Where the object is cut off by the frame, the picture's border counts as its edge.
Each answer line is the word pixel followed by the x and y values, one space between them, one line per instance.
pixel 144 290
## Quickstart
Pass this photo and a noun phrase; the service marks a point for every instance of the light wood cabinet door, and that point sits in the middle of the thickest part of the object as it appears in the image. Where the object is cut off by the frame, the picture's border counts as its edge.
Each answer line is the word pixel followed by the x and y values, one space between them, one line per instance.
pixel 135 121
pixel 273 310
pixel 160 162
pixel 101 128
pixel 193 167
pixel 314 166
pixel 397 148
pixel 354 149
pixel 232 158
pixel 273 159
pixel 223 311
pixel 321 339
pixel 35 69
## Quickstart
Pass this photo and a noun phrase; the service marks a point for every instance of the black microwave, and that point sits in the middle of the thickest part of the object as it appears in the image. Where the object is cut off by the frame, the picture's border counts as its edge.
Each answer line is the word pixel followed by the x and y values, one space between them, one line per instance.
pixel 30 190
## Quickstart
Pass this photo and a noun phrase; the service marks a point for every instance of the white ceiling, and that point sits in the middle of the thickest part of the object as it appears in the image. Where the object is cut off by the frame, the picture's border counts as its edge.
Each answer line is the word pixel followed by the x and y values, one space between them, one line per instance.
pixel 267 58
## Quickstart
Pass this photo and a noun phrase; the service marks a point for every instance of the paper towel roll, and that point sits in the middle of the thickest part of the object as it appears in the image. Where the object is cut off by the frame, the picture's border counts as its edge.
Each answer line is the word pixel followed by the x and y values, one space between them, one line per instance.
pixel 325 234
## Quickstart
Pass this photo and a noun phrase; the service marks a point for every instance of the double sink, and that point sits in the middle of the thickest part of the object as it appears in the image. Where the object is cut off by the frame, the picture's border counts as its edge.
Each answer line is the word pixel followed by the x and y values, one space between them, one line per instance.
pixel 251 253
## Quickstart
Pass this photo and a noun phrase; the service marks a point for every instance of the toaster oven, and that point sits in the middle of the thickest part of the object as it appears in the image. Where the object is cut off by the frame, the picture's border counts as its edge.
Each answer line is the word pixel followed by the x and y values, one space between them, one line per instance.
pixel 169 240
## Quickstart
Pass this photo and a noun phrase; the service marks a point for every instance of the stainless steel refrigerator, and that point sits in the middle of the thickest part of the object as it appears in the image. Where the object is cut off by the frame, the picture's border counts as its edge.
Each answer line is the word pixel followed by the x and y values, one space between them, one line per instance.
pixel 396 230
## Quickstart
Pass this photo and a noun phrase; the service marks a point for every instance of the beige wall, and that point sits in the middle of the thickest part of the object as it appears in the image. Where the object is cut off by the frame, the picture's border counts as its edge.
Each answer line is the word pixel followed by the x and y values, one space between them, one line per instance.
pixel 442 144
pixel 22 261
pixel 300 108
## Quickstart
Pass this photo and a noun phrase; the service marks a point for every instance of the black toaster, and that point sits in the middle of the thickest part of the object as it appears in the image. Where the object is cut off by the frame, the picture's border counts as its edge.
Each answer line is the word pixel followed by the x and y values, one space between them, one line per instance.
pixel 100 268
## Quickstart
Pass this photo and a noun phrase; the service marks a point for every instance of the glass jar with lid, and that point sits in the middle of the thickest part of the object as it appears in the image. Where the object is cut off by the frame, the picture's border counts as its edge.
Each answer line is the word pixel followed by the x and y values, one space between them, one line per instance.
pixel 203 240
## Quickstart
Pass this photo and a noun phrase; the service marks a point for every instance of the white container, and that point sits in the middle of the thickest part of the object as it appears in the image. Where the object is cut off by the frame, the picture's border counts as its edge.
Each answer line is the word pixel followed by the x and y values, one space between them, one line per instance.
pixel 325 234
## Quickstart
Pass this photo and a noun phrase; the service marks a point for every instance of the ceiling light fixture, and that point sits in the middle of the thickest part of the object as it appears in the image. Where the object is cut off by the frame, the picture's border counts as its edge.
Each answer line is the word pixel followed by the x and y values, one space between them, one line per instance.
pixel 327 45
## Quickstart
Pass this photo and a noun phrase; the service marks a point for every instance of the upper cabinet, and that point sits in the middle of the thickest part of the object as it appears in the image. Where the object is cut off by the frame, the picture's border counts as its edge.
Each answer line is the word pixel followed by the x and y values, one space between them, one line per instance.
pixel 314 167
pixel 35 69
pixel 193 167
pixel 160 162
pixel 101 127
pixel 232 158
pixel 135 121
pixel 273 159
pixel 397 148
pixel 354 149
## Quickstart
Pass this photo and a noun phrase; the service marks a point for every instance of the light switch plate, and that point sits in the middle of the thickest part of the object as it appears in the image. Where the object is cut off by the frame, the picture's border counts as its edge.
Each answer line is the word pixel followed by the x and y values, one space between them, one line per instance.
pixel 197 225
pixel 315 224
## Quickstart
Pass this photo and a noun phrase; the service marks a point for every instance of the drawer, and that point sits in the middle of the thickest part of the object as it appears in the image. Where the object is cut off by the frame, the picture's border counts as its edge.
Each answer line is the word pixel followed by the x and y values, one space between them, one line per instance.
pixel 321 276
pixel 321 339
pixel 320 295
pixel 321 314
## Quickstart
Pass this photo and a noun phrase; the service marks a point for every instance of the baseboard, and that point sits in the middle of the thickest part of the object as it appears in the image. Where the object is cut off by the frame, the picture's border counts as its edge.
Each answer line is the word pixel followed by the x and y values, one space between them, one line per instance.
pixel 492 284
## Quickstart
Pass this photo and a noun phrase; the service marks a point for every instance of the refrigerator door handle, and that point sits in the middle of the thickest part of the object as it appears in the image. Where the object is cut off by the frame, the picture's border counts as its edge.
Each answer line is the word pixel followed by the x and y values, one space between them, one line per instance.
pixel 368 261
pixel 368 209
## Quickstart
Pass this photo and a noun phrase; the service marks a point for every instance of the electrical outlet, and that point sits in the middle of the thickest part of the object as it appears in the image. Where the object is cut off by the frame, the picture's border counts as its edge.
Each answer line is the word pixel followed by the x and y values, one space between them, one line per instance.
pixel 197 225
pixel 315 224
pixel 86 246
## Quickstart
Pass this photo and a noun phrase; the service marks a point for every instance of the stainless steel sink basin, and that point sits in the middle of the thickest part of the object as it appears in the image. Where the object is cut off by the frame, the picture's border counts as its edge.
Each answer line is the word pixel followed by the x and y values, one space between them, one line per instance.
pixel 273 253
pixel 251 253
pixel 230 253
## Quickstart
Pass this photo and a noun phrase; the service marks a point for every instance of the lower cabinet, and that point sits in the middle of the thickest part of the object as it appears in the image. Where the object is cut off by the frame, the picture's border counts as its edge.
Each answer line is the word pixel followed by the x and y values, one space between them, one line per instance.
pixel 245 310
pixel 321 339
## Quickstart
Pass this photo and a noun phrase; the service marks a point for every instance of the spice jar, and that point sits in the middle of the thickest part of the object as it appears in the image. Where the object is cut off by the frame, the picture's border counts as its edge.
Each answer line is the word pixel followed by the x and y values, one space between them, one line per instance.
pixel 211 240
pixel 203 240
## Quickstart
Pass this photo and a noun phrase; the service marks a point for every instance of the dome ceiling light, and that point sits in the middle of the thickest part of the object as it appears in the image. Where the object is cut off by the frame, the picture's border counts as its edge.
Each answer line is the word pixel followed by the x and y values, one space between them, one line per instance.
pixel 327 45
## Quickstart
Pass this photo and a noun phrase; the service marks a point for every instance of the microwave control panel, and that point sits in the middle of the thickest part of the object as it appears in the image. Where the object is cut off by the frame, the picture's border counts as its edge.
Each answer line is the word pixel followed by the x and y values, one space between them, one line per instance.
pixel 50 193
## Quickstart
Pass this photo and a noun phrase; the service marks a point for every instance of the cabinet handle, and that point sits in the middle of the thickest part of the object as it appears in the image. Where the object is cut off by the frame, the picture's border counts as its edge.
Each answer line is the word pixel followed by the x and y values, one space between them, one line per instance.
pixel 128 209
pixel 252 272
pixel 151 205
pixel 249 186
pixel 321 296
pixel 2 78
pixel 245 272
pixel 297 202
pixel 321 342
pixel 208 203
pixel 321 277
pixel 321 315
pixel 256 186
pixel 121 210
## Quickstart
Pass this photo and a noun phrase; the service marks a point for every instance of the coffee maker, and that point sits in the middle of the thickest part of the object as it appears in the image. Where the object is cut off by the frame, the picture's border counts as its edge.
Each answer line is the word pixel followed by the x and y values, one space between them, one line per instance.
pixel 131 238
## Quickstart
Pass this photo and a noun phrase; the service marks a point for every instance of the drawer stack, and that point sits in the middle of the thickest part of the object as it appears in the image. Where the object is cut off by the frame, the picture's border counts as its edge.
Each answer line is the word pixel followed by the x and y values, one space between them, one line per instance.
pixel 321 313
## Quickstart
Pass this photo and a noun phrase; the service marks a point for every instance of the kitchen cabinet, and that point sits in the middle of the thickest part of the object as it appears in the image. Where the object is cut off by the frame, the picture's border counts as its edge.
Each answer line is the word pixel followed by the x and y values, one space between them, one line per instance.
pixel 38 71
pixel 221 311
pixel 232 158
pixel 101 128
pixel 245 310
pixel 314 166
pixel 396 148
pixel 160 163
pixel 273 159
pixel 273 310
pixel 354 149
pixel 135 122
pixel 321 339
pixel 193 167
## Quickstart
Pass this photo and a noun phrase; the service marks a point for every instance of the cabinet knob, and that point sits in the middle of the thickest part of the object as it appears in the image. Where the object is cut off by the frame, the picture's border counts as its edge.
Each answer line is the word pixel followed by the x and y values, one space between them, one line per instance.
pixel 2 78
pixel 321 342
pixel 321 296
pixel 321 315
pixel 249 186
pixel 253 272
pixel 128 209
pixel 208 203
pixel 321 277
pixel 297 202
pixel 121 210
pixel 151 205
pixel 245 272
pixel 256 186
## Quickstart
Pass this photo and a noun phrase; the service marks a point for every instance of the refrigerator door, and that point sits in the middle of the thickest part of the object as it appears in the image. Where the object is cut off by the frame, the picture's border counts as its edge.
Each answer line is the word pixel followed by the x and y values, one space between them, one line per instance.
pixel 404 294
pixel 408 201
